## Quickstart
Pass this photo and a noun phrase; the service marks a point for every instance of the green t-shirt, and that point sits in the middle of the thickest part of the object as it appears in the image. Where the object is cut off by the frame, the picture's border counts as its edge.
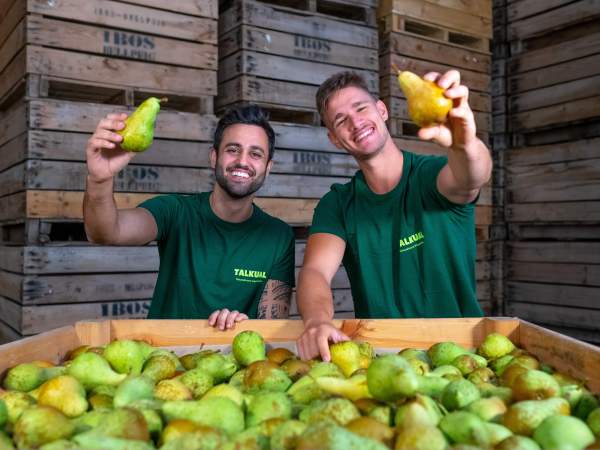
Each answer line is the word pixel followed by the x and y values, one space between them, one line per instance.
pixel 207 263
pixel 409 252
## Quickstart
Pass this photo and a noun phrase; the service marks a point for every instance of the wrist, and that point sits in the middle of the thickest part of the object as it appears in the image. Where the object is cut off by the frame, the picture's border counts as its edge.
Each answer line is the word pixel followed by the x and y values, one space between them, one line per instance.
pixel 312 322
pixel 94 180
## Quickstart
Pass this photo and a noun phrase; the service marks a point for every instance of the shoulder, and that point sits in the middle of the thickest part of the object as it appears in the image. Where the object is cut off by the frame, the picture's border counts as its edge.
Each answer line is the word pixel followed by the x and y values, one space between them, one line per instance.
pixel 273 224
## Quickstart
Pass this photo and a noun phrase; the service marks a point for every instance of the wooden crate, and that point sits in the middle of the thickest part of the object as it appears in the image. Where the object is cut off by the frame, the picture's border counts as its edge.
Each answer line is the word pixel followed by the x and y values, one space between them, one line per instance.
pixel 565 354
pixel 113 48
pixel 277 56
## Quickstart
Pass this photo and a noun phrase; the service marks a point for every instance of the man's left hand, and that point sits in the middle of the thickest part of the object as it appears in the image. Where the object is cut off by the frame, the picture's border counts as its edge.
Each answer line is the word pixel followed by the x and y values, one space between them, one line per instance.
pixel 223 319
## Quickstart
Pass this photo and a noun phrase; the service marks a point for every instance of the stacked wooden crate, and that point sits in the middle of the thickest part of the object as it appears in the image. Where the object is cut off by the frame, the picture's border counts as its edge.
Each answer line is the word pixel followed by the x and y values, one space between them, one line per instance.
pixel 553 167
pixel 65 64
pixel 436 36
pixel 276 54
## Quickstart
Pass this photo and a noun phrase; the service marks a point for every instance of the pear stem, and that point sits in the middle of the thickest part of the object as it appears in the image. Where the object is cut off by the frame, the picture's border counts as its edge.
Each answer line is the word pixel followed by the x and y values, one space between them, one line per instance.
pixel 395 67
pixel 164 100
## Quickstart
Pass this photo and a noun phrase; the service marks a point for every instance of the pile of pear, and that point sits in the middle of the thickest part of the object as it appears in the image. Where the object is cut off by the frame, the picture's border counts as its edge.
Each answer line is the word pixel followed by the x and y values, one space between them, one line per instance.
pixel 129 395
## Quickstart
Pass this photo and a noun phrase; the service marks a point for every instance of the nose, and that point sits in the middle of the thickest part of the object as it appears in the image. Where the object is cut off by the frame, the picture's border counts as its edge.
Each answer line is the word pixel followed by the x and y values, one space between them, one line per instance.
pixel 355 121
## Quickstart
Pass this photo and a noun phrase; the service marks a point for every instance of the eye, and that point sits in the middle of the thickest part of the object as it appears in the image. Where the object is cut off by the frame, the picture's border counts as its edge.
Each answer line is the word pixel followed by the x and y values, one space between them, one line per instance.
pixel 257 155
pixel 340 122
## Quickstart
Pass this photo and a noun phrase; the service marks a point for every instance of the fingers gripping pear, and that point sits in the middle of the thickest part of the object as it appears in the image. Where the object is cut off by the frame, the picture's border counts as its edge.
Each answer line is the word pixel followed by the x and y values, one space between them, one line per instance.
pixel 427 104
pixel 139 126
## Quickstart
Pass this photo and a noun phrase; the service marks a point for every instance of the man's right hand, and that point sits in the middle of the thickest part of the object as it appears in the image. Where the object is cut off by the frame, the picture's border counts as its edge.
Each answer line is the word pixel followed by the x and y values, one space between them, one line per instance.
pixel 105 158
pixel 314 341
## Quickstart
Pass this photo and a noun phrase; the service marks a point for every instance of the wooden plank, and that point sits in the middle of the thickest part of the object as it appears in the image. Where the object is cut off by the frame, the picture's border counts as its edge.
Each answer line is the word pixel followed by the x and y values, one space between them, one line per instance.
pixel 12 45
pixel 563 152
pixel 554 232
pixel 63 115
pixel 570 50
pixel 12 76
pixel 570 111
pixel 589 336
pixel 555 74
pixel 202 8
pixel 130 17
pixel 13 151
pixel 578 212
pixel 12 207
pixel 409 44
pixel 297 46
pixel 439 14
pixel 120 44
pixel 140 75
pixel 565 354
pixel 481 8
pixel 11 14
pixel 302 137
pixel 554 294
pixel 574 274
pixel 7 334
pixel 520 10
pixel 473 80
pixel 297 22
pixel 549 21
pixel 554 252
pixel 11 314
pixel 11 285
pixel 285 69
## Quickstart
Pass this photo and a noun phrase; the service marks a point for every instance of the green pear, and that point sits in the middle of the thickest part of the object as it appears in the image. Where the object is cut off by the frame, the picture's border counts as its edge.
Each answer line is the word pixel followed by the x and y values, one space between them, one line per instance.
pixel 305 389
pixel 264 375
pixel 489 390
pixel 92 370
pixel 339 410
pixel 133 388
pixel 160 367
pixel 516 442
pixel 367 353
pixel 463 427
pixel 28 376
pixel 220 367
pixel 89 420
pixel 432 385
pixel 126 356
pixel 16 402
pixel 390 377
pixel 227 391
pixel 499 365
pixel 139 126
pixel 377 410
pixel 469 362
pixel 490 409
pixel 420 438
pixel 564 433
pixel 250 439
pixel 524 417
pixel 415 353
pixel 60 444
pixel 535 385
pixel 237 379
pixel 100 401
pixel 593 421
pixel 352 388
pixel 267 405
pixel 495 345
pixel 372 429
pixel 94 441
pixel 248 347
pixel 295 368
pixel 203 438
pixel 459 394
pixel 172 389
pixel 422 411
pixel 6 442
pixel 124 423
pixel 286 435
pixel 426 102
pixel 3 413
pixel 346 355
pixel 443 353
pixel 497 432
pixel 327 435
pixel 573 393
pixel 64 393
pixel 39 425
pixel 198 381
pixel 483 375
pixel 587 403
pixel 446 371
pixel 217 412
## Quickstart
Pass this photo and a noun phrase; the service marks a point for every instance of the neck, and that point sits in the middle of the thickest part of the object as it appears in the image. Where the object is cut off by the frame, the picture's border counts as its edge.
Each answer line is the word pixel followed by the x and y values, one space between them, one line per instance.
pixel 228 208
pixel 383 171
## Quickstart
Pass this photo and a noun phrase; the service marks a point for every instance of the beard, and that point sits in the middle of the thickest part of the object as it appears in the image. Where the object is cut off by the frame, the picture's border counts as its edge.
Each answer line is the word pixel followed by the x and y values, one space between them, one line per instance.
pixel 236 190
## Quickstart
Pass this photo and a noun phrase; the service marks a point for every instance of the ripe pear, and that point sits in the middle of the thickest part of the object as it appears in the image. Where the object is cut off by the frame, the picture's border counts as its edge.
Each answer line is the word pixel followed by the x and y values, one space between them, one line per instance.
pixel 228 391
pixel 563 432
pixel 338 410
pixel 495 345
pixel 248 347
pixel 279 355
pixel 426 102
pixel 93 370
pixel 422 411
pixel 126 356
pixel 286 435
pixel 443 353
pixel 333 437
pixel 295 368
pixel 390 377
pixel 535 385
pixel 40 425
pixel 139 126
pixel 200 438
pixel 524 417
pixel 516 442
pixel 420 438
pixel 373 429
pixel 377 410
pixel 16 402
pixel 172 389
pixel 64 393
pixel 268 405
pixel 352 388
pixel 197 381
pixel 133 388
pixel 264 375
pixel 490 409
pixel 218 412
pixel 346 355
pixel 28 376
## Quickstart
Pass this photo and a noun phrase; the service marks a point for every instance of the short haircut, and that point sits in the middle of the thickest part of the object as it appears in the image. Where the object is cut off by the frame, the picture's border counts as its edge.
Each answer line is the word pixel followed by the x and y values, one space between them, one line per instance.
pixel 335 83
pixel 247 115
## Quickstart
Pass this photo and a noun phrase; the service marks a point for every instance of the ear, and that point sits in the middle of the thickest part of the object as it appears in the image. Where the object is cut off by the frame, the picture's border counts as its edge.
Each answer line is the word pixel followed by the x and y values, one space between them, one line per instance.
pixel 268 169
pixel 213 157
pixel 383 111
pixel 333 139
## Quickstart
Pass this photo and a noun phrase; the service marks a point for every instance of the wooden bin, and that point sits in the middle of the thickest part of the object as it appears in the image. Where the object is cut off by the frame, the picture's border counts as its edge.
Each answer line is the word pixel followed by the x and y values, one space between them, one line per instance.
pixel 278 56
pixel 565 354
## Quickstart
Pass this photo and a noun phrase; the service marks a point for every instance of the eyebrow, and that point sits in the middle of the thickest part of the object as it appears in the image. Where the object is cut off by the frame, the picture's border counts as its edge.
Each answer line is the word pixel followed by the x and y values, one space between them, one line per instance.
pixel 237 144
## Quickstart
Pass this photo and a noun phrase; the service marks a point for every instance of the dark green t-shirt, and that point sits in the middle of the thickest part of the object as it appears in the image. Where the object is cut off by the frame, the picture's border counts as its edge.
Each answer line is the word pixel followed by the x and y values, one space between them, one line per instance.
pixel 207 263
pixel 409 252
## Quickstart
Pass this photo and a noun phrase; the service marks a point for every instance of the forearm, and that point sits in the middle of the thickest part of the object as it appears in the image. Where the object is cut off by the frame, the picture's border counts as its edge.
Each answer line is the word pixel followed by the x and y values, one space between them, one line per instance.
pixel 314 297
pixel 275 301
pixel 471 164
pixel 100 212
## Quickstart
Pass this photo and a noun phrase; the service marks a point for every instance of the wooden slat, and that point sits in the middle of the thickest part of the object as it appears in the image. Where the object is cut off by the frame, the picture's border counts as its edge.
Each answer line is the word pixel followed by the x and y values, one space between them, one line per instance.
pixel 297 46
pixel 555 252
pixel 12 45
pixel 7 334
pixel 297 22
pixel 117 43
pixel 482 8
pixel 134 74
pixel 554 153
pixel 578 212
pixel 554 294
pixel 553 232
pixel 130 17
pixel 520 10
pixel 202 8
pixel 574 274
pixel 11 13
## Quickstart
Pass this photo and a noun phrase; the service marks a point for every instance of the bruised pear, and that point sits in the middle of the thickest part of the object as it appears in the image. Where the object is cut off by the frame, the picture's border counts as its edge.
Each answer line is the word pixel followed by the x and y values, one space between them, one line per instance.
pixel 138 133
pixel 279 355
pixel 426 102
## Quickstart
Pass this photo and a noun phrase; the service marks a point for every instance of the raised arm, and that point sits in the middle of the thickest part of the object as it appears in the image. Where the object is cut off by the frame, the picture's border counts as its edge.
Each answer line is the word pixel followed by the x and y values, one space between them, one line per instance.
pixel 469 161
pixel 104 223
pixel 322 258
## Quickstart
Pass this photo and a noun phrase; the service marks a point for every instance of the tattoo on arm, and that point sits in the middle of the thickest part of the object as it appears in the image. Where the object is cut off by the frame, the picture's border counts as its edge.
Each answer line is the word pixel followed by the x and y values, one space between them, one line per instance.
pixel 275 300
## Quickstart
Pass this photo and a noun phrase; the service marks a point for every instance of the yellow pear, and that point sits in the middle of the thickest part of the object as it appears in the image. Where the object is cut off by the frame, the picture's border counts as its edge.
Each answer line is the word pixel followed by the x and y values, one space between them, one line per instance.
pixel 426 102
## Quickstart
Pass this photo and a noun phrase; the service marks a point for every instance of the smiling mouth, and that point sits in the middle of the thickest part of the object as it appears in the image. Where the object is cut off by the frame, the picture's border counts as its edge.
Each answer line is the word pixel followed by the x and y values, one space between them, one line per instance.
pixel 364 134
pixel 239 174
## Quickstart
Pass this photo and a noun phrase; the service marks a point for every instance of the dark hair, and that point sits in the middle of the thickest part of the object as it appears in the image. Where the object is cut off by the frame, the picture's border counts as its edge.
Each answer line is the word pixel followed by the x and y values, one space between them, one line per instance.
pixel 335 83
pixel 247 115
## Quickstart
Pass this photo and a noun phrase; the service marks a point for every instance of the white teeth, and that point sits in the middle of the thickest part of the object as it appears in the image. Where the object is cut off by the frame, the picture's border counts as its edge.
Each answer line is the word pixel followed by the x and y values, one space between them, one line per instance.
pixel 237 173
pixel 364 134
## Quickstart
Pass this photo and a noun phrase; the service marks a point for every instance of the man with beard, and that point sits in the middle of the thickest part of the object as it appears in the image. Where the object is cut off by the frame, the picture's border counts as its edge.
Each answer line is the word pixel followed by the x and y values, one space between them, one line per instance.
pixel 221 257
pixel 403 226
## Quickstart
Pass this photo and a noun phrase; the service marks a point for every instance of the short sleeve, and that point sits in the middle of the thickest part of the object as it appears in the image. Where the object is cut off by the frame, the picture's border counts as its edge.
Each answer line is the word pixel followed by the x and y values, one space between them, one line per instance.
pixel 328 217
pixel 283 269
pixel 164 208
